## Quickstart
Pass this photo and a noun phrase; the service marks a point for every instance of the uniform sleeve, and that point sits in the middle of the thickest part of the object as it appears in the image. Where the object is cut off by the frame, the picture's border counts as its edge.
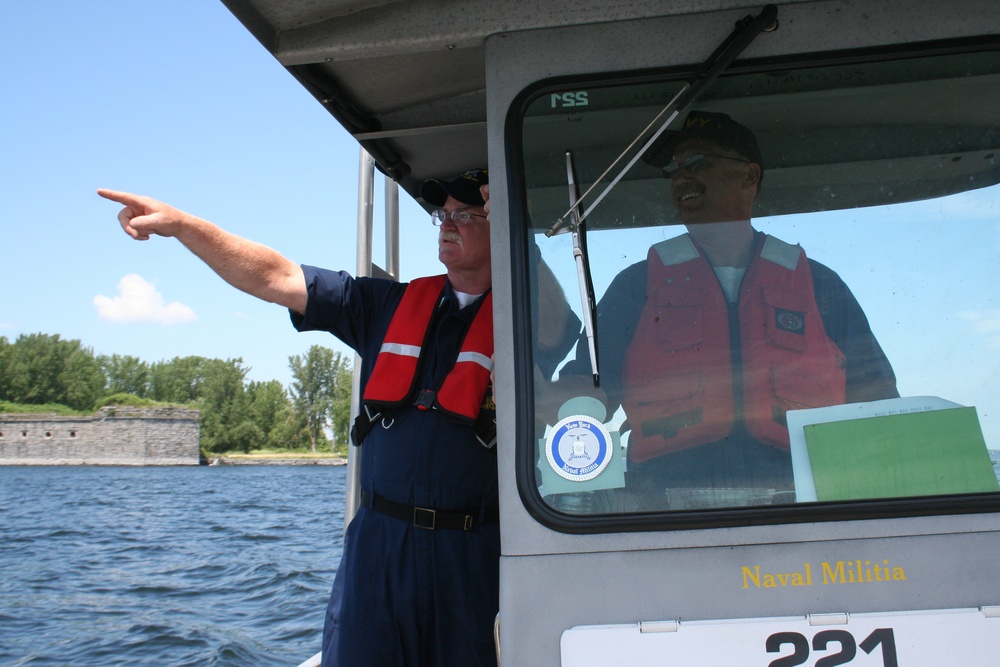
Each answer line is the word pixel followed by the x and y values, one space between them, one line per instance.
pixel 548 359
pixel 869 374
pixel 618 314
pixel 352 309
pixel 551 346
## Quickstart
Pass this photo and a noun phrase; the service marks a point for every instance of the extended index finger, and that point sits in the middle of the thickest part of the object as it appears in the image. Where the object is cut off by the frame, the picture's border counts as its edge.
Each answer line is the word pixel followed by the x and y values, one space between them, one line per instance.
pixel 126 198
pixel 134 207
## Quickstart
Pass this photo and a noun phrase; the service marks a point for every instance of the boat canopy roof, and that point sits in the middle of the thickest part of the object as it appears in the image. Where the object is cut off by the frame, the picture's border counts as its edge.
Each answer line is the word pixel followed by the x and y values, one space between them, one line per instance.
pixel 407 79
pixel 406 76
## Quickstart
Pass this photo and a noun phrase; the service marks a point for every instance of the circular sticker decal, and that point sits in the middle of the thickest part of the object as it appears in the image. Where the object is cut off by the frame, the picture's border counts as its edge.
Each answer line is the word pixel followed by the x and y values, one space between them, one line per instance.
pixel 578 448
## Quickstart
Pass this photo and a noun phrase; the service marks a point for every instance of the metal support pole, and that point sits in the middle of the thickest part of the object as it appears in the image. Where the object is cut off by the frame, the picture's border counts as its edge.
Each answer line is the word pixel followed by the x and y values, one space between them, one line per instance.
pixel 392 228
pixel 366 208
pixel 366 205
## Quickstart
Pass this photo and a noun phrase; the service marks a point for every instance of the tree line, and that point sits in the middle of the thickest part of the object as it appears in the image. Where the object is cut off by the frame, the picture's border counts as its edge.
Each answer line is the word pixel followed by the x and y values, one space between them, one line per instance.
pixel 236 414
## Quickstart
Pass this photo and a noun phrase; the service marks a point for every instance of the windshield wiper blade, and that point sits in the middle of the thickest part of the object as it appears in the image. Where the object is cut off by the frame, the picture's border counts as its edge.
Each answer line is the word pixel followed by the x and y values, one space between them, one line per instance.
pixel 738 40
pixel 583 269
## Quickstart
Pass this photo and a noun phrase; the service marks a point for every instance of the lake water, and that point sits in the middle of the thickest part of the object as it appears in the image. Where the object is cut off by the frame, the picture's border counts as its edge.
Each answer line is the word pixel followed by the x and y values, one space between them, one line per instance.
pixel 221 565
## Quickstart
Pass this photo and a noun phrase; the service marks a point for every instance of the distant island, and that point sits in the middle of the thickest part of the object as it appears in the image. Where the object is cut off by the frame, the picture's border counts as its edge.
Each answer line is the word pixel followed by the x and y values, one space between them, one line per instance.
pixel 47 376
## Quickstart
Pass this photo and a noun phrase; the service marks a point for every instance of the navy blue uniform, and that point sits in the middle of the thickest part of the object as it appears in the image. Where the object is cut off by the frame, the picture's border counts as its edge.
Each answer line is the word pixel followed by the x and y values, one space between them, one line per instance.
pixel 405 595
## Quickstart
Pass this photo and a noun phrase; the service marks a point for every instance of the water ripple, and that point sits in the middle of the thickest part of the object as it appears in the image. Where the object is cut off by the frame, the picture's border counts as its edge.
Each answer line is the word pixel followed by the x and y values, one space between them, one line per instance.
pixel 223 566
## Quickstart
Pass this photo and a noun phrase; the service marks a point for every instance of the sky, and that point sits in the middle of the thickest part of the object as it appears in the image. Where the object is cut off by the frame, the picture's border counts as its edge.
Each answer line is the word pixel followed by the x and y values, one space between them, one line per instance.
pixel 175 100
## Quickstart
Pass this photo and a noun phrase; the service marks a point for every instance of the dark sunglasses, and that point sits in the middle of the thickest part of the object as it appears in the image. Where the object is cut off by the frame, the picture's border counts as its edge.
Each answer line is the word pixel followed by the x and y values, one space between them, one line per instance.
pixel 695 162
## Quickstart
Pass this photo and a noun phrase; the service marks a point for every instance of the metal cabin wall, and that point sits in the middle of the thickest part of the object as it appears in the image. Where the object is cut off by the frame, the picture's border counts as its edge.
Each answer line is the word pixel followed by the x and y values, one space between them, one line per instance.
pixel 685 574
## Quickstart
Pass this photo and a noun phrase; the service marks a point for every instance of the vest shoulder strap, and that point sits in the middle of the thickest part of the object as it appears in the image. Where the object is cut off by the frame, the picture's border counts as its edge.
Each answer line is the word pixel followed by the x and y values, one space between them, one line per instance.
pixel 403 342
pixel 677 250
pixel 781 253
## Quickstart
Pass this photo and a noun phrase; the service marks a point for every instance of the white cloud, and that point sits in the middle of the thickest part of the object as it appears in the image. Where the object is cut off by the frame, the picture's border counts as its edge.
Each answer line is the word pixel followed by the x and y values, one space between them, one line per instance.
pixel 139 301
pixel 985 322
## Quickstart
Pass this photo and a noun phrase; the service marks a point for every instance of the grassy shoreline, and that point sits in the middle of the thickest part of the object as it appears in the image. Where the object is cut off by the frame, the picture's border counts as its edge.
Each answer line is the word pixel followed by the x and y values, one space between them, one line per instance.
pixel 277 458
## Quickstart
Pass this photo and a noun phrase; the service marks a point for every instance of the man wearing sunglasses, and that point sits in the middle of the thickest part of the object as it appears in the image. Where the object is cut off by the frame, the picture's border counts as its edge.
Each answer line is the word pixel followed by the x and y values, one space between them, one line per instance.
pixel 711 339
pixel 418 581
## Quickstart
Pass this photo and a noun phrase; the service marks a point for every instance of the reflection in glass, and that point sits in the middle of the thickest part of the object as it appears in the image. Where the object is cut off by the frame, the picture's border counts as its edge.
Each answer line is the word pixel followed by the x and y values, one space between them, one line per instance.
pixel 723 291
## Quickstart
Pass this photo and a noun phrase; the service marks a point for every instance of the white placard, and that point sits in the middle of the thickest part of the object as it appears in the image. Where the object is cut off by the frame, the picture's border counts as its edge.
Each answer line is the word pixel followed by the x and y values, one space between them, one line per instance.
pixel 933 638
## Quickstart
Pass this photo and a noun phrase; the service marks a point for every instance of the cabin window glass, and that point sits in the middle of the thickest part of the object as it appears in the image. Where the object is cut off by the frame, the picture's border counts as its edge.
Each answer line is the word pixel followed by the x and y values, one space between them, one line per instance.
pixel 844 344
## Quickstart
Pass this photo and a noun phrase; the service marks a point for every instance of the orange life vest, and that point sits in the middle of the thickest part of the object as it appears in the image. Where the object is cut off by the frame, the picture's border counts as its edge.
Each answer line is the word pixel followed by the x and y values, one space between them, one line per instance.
pixel 394 377
pixel 684 384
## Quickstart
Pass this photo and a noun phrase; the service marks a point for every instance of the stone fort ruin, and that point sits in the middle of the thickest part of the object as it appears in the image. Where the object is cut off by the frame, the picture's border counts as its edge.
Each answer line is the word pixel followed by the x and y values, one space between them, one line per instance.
pixel 114 435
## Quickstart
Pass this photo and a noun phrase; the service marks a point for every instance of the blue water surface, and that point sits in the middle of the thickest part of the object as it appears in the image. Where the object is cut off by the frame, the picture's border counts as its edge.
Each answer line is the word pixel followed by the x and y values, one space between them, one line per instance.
pixel 221 565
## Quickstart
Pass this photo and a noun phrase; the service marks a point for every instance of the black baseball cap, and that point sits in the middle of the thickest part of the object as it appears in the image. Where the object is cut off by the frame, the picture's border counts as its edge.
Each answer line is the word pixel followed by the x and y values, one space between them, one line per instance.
pixel 464 188
pixel 710 126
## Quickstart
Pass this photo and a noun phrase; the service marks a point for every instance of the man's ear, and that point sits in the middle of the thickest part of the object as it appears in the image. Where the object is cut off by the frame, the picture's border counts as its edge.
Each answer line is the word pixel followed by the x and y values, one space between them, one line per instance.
pixel 753 174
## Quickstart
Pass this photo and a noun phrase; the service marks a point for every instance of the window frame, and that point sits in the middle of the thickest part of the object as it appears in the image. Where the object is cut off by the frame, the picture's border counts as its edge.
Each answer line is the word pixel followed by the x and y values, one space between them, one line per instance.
pixel 521 258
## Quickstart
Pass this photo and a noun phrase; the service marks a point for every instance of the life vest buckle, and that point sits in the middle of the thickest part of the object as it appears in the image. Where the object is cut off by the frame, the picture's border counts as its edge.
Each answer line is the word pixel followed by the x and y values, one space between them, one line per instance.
pixel 364 422
pixel 425 399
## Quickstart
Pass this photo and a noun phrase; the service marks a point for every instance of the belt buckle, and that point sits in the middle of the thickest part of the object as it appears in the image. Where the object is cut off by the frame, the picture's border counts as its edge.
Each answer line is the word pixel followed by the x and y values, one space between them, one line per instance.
pixel 424 518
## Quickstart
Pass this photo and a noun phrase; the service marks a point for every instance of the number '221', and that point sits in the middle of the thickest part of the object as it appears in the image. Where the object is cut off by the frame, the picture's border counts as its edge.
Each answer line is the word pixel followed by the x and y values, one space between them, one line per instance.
pixel 575 99
pixel 848 647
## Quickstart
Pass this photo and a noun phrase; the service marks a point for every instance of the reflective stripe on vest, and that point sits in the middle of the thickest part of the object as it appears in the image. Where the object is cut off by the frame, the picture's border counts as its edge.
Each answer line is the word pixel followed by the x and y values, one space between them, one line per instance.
pixel 393 379
pixel 461 394
pixel 678 377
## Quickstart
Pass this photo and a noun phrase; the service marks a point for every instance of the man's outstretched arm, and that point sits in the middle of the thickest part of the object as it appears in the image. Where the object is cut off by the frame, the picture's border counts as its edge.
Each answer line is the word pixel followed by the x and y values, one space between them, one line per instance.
pixel 246 265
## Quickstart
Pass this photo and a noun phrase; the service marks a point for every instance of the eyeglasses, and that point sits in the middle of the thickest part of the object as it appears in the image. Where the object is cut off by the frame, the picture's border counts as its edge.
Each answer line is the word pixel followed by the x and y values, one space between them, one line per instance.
pixel 460 216
pixel 695 162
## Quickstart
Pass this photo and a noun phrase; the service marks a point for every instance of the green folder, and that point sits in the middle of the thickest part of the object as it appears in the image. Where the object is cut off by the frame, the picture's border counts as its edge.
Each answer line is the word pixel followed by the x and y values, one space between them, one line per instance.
pixel 919 454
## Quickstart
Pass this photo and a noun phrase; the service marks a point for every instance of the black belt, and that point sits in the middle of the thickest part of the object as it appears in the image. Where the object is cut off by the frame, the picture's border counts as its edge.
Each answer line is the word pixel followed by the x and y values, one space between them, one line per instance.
pixel 430 519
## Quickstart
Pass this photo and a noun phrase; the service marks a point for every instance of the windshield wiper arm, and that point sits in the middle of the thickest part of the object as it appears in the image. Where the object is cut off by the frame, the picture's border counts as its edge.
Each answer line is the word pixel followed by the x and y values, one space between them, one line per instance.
pixel 737 41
